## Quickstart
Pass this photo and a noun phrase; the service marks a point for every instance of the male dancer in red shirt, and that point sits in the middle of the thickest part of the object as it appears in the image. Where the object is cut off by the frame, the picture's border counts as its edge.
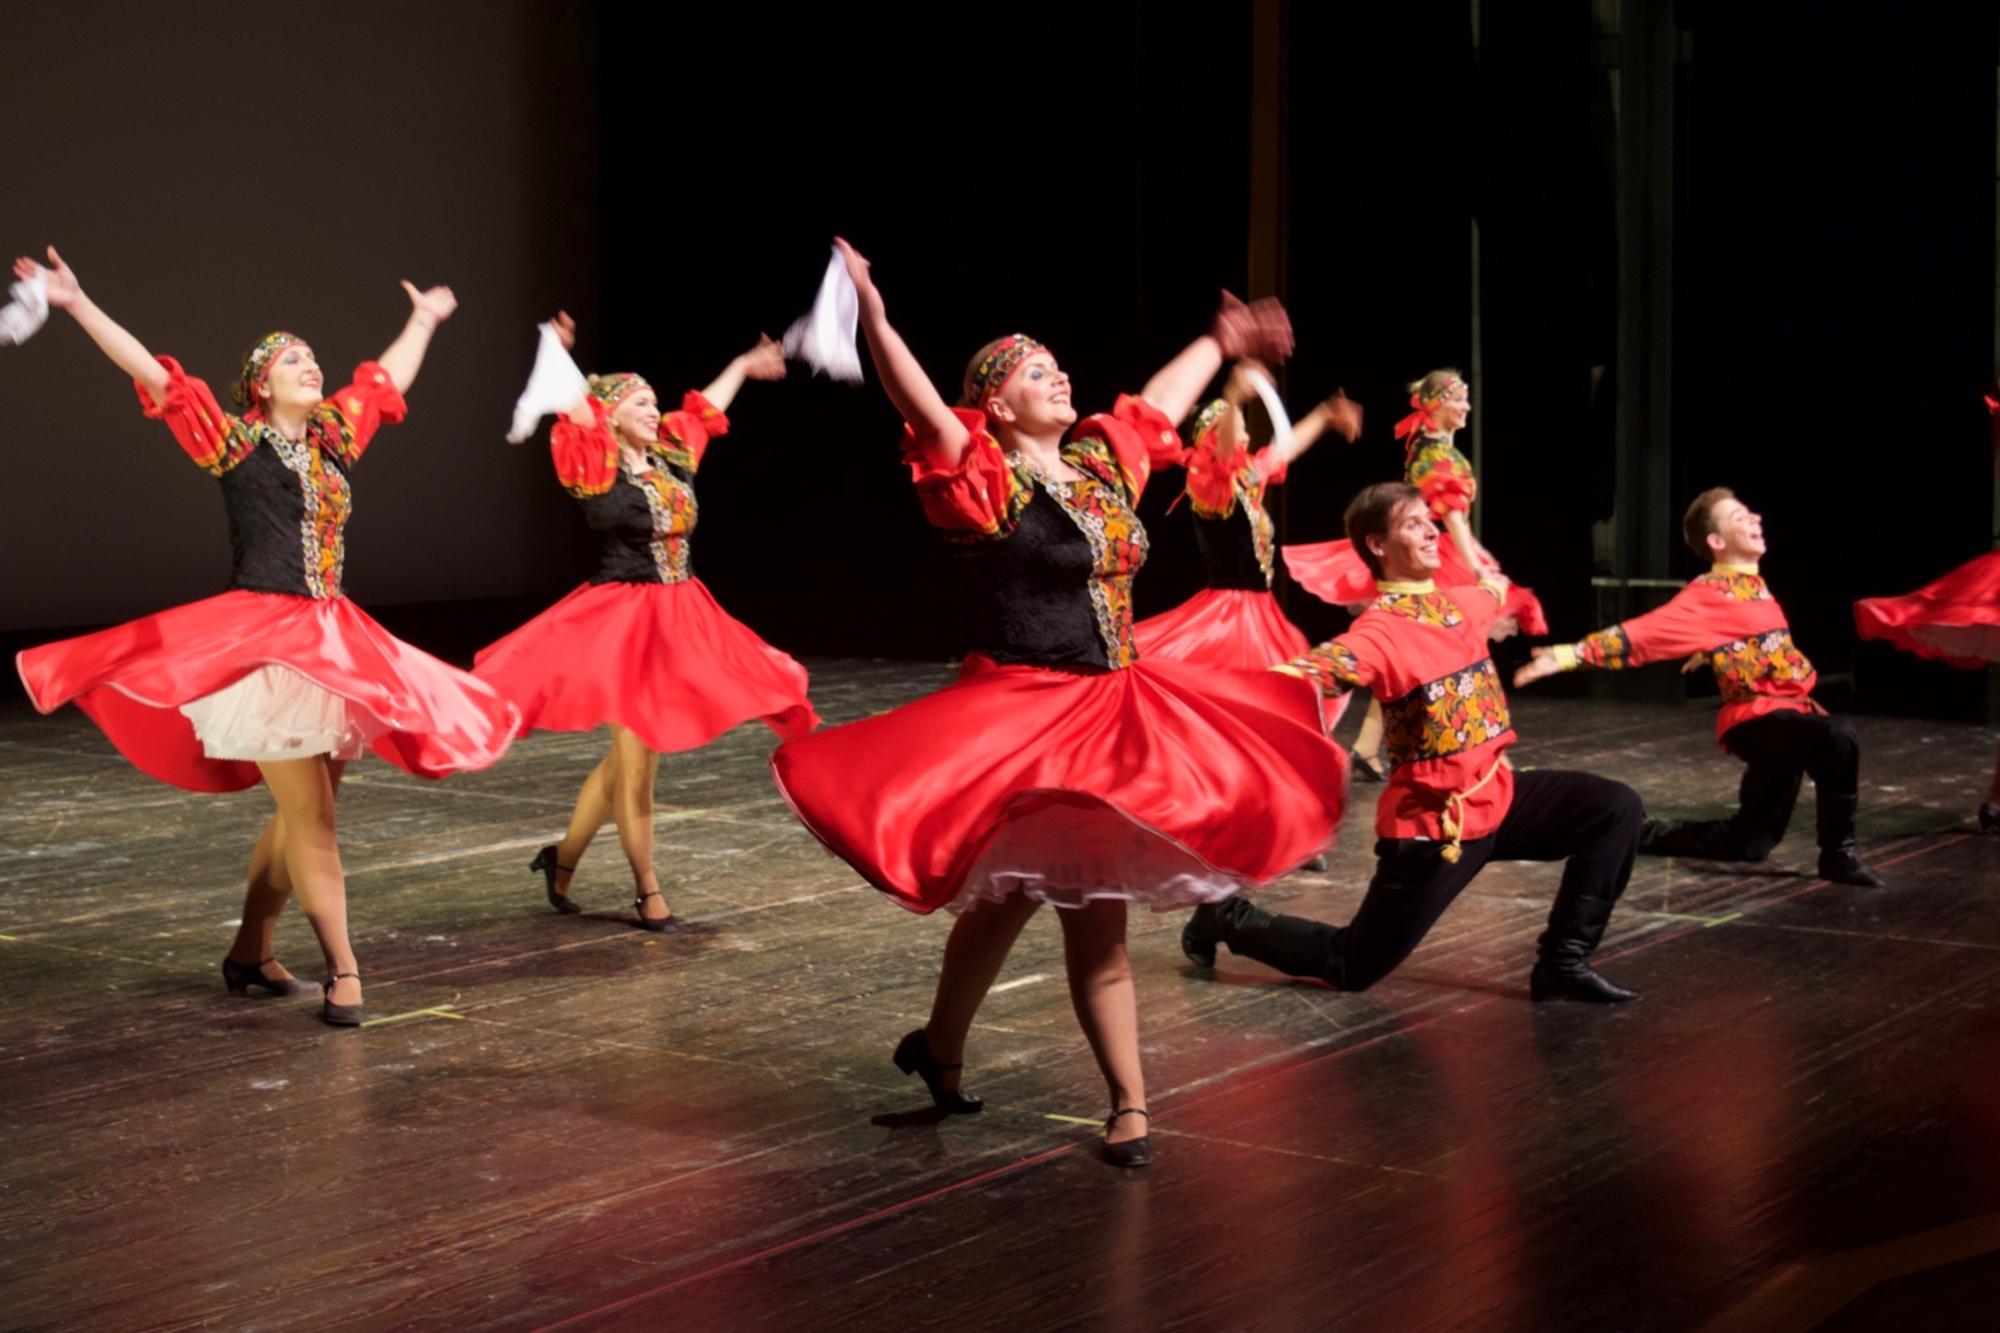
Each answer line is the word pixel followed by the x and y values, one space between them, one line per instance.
pixel 1768 719
pixel 1452 802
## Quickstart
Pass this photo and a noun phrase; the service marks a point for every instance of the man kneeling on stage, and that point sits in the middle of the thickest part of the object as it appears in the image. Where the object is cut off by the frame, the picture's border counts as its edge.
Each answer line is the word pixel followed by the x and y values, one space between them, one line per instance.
pixel 1452 802
pixel 1768 719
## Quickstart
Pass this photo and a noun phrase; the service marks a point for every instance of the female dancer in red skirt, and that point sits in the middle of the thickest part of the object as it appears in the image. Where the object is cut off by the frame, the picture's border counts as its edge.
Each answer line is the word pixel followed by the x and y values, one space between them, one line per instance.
pixel 1332 572
pixel 1235 621
pixel 1060 768
pixel 1955 620
pixel 281 678
pixel 642 645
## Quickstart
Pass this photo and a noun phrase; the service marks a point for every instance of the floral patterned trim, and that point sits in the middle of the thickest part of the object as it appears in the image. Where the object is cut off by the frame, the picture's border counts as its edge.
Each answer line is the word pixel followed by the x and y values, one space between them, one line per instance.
pixel 1735 584
pixel 1332 667
pixel 675 513
pixel 1743 665
pixel 1435 467
pixel 1448 716
pixel 326 502
pixel 1118 547
pixel 1426 608
pixel 1245 491
pixel 1607 649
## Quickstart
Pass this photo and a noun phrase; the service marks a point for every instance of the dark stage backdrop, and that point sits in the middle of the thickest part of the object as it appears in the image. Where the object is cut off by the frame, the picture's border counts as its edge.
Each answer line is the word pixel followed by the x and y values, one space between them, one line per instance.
pixel 673 173
pixel 216 170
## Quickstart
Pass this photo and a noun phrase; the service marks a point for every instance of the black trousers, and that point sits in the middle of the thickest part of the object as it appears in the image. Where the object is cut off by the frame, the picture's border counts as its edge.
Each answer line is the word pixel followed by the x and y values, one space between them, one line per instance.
pixel 1780 749
pixel 1591 823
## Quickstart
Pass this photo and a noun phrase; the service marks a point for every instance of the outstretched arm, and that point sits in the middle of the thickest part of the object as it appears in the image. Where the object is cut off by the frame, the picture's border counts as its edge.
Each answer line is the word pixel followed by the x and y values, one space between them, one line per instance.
pixel 1339 413
pixel 126 352
pixel 428 309
pixel 765 361
pixel 1261 328
pixel 911 390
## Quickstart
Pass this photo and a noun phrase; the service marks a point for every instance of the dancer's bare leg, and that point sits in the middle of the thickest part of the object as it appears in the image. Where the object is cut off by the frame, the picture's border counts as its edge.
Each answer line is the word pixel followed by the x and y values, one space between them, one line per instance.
pixel 303 790
pixel 1107 1005
pixel 979 943
pixel 268 887
pixel 591 813
pixel 632 805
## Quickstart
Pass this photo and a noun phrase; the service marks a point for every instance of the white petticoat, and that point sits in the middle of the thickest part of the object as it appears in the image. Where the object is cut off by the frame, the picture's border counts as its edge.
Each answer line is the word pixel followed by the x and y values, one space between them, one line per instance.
pixel 1071 856
pixel 275 713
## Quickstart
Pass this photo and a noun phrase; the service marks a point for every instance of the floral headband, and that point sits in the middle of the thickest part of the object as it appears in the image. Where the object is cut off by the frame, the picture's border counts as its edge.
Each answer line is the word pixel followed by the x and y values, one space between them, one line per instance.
pixel 612 390
pixel 1208 418
pixel 1424 418
pixel 990 376
pixel 258 365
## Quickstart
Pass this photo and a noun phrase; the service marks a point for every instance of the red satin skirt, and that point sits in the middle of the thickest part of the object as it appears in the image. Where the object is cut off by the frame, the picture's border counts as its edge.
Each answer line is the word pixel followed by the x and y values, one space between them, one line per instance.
pixel 1240 629
pixel 132 679
pixel 1954 620
pixel 663 659
pixel 1163 783
pixel 1332 572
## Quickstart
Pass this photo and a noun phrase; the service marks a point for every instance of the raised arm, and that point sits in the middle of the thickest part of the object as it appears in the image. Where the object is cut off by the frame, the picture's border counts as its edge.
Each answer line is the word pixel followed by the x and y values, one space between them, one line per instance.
pixel 944 435
pixel 1339 413
pixel 126 352
pixel 1259 329
pixel 765 361
pixel 428 309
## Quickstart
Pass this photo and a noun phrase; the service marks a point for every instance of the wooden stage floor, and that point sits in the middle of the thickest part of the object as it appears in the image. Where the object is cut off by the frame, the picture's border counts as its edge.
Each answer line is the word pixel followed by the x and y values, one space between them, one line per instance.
pixel 563 1121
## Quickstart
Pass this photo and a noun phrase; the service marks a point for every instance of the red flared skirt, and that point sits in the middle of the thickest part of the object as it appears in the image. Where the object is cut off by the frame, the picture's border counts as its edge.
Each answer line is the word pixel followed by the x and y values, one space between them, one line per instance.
pixel 1163 783
pixel 1239 629
pixel 663 659
pixel 1954 620
pixel 132 679
pixel 1332 572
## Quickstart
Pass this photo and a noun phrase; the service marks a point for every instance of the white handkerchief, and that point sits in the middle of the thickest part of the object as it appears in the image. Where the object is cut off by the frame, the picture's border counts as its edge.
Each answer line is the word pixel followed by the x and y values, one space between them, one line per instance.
pixel 21 317
pixel 555 385
pixel 823 337
pixel 1281 424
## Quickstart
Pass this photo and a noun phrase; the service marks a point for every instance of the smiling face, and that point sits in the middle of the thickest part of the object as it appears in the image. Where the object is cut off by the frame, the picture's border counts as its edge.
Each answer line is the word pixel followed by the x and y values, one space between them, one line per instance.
pixel 292 381
pixel 1035 398
pixel 1409 549
pixel 1455 408
pixel 1737 534
pixel 636 419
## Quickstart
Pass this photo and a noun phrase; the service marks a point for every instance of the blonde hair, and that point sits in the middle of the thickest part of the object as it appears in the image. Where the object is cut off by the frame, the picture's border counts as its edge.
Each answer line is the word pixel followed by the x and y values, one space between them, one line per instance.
pixel 1435 385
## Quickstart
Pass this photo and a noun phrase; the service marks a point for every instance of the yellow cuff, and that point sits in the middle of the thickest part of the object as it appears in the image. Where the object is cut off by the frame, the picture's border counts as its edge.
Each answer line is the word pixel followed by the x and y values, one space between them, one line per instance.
pixel 1565 655
pixel 1288 669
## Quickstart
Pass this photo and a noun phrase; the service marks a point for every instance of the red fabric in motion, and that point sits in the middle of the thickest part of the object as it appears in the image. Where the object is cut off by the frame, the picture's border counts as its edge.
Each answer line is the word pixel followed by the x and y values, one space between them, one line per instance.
pixel 1955 619
pixel 1331 571
pixel 663 659
pixel 1226 774
pixel 1235 629
pixel 131 680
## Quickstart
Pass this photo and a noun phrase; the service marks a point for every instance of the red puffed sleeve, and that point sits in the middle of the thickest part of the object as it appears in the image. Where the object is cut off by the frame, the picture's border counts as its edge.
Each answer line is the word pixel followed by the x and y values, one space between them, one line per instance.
pixel 349 419
pixel 1210 484
pixel 1444 479
pixel 1270 470
pixel 586 457
pixel 980 498
pixel 213 438
pixel 686 433
pixel 1140 437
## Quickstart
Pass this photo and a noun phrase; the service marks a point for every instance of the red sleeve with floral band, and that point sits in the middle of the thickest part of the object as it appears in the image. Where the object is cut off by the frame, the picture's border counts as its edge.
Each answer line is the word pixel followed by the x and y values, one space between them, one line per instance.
pixel 1442 474
pixel 1140 438
pixel 685 434
pixel 345 421
pixel 979 499
pixel 214 439
pixel 586 457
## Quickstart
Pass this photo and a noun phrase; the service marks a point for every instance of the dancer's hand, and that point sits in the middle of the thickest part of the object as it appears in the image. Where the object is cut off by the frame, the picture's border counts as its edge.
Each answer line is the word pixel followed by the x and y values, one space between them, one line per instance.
pixel 1261 328
pixel 1695 662
pixel 1343 415
pixel 62 287
pixel 434 304
pixel 765 361
pixel 565 330
pixel 864 283
pixel 1540 667
pixel 1240 390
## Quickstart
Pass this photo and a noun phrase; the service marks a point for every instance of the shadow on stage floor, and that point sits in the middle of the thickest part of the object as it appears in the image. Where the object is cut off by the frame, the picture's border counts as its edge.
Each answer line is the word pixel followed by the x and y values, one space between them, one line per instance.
pixel 566 1121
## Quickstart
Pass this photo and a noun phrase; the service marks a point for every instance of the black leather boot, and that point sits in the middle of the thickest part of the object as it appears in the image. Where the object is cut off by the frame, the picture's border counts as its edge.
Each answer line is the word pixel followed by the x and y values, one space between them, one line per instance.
pixel 1574 979
pixel 1839 858
pixel 1563 972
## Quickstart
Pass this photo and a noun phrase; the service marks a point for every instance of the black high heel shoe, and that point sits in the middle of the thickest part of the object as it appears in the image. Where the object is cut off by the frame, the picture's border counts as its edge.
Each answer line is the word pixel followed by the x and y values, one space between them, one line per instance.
pixel 1365 769
pixel 339 1015
pixel 545 861
pixel 1132 1152
pixel 240 977
pixel 665 923
pixel 913 1056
